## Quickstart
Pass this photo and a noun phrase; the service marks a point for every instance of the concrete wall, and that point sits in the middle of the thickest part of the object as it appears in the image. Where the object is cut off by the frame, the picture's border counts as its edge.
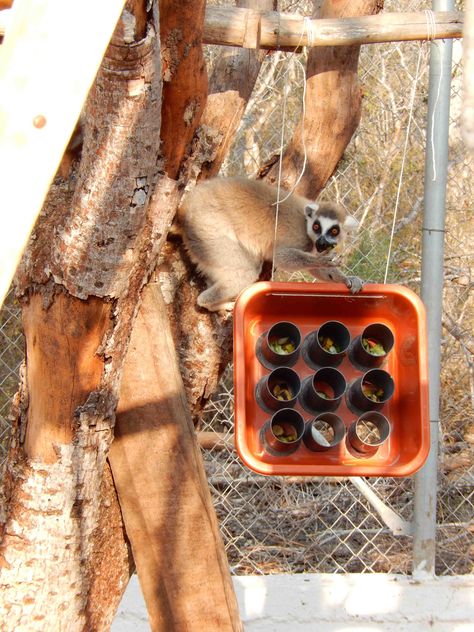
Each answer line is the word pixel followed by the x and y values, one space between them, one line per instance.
pixel 336 603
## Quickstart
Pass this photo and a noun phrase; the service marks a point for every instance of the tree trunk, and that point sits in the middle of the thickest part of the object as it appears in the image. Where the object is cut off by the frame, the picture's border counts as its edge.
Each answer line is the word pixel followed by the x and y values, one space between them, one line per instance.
pixel 64 559
pixel 333 104
pixel 168 495
pixel 231 84
pixel 184 77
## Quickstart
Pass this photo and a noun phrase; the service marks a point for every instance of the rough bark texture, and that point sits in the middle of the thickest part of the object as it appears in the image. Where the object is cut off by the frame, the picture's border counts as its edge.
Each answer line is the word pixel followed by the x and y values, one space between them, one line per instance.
pixel 184 77
pixel 64 559
pixel 165 501
pixel 231 84
pixel 333 103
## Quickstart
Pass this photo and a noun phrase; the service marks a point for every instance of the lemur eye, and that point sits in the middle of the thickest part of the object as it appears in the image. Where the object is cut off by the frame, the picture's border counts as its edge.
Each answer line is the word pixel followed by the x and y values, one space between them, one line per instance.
pixel 317 227
pixel 335 231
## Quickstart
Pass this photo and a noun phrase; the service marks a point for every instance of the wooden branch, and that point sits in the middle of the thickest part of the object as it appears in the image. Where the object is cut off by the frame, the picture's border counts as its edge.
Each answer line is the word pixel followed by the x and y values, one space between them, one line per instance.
pixel 247 28
pixel 229 26
pixel 230 87
pixel 209 440
pixel 162 487
pixel 333 102
pixel 184 78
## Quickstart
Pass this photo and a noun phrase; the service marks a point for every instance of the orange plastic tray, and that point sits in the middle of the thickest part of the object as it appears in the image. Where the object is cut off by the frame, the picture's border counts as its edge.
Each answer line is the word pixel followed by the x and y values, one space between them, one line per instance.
pixel 308 305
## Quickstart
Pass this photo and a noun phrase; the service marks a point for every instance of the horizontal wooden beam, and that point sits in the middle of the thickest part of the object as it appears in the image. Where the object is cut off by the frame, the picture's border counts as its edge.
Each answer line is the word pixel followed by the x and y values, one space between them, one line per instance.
pixel 229 26
pixel 246 28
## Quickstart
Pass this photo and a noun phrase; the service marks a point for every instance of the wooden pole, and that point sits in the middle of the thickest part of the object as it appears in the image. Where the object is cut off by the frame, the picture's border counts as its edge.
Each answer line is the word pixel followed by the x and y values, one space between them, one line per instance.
pixel 247 28
pixel 230 27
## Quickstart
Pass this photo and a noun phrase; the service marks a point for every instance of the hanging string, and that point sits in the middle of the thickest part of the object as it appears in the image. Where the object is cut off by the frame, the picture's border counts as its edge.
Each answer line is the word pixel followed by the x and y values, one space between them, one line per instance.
pixel 278 201
pixel 307 26
pixel 402 168
pixel 431 34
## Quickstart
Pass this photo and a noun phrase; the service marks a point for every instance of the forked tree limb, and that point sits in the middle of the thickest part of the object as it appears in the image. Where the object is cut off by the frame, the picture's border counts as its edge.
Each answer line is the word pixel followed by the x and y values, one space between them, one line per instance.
pixel 333 106
pixel 230 86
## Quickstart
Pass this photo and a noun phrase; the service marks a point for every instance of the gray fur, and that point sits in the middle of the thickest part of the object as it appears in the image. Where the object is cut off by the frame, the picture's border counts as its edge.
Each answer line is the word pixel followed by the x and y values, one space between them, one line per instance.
pixel 228 227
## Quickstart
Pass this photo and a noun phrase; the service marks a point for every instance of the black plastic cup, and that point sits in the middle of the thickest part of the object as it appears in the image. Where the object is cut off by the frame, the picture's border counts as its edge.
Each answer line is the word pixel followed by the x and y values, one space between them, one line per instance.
pixel 284 378
pixel 279 331
pixel 281 426
pixel 367 433
pixel 376 380
pixel 315 355
pixel 316 432
pixel 323 390
pixel 362 358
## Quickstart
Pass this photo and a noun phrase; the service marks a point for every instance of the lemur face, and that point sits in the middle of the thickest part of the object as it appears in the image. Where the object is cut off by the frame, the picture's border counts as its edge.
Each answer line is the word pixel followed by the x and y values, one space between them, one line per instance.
pixel 324 226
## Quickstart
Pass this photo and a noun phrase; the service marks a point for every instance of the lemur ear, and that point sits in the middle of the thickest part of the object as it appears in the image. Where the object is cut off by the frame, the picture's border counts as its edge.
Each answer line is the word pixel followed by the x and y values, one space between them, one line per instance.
pixel 309 209
pixel 350 223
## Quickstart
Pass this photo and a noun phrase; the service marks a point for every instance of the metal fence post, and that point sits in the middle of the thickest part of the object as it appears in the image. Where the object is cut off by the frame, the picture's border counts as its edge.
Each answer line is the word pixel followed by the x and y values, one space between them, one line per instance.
pixel 436 165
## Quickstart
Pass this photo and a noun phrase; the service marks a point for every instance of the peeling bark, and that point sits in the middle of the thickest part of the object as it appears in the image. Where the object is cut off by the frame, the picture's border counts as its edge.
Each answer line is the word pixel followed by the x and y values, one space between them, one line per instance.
pixel 230 87
pixel 184 77
pixel 93 248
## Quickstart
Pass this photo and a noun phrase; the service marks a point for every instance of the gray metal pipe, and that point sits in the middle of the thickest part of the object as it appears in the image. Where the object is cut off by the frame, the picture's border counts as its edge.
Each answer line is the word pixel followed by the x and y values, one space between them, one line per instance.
pixel 436 167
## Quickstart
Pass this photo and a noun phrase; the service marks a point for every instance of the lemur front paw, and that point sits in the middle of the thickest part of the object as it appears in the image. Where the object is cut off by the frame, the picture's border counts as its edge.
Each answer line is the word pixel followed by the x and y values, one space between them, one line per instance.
pixel 355 284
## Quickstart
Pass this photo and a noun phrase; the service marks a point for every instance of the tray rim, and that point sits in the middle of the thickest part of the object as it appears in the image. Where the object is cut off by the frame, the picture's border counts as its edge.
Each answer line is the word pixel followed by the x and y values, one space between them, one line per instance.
pixel 327 289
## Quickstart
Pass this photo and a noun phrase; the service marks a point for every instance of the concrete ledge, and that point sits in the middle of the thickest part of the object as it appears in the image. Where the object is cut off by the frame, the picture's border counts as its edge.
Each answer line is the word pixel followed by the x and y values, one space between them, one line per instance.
pixel 336 603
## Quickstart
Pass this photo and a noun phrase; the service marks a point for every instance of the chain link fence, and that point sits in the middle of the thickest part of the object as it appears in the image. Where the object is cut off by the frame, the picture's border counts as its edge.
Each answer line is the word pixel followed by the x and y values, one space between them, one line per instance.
pixel 285 524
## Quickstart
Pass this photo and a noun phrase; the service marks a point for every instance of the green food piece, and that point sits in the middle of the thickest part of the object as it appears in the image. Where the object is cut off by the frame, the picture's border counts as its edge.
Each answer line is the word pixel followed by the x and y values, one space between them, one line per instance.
pixel 282 392
pixel 373 347
pixel 373 393
pixel 285 433
pixel 282 346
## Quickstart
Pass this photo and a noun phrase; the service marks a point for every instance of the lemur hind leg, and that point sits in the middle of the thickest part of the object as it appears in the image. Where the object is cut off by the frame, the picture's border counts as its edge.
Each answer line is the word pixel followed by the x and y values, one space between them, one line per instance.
pixel 227 277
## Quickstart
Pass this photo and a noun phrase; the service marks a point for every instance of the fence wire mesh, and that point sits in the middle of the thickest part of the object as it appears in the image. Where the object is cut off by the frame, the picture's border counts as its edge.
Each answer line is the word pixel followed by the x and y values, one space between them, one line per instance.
pixel 285 524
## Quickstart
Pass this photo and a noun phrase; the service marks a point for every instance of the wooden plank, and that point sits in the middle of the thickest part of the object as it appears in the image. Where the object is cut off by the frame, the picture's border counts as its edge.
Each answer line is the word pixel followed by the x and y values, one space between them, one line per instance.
pixel 160 480
pixel 45 75
pixel 228 26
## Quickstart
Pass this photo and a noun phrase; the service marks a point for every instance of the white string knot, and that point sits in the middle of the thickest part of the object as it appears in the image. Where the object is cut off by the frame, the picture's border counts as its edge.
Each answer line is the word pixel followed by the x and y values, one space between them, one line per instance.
pixel 430 25
pixel 308 27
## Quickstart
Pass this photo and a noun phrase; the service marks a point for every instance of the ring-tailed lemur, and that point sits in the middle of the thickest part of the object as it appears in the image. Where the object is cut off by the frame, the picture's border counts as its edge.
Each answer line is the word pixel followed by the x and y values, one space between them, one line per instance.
pixel 228 227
